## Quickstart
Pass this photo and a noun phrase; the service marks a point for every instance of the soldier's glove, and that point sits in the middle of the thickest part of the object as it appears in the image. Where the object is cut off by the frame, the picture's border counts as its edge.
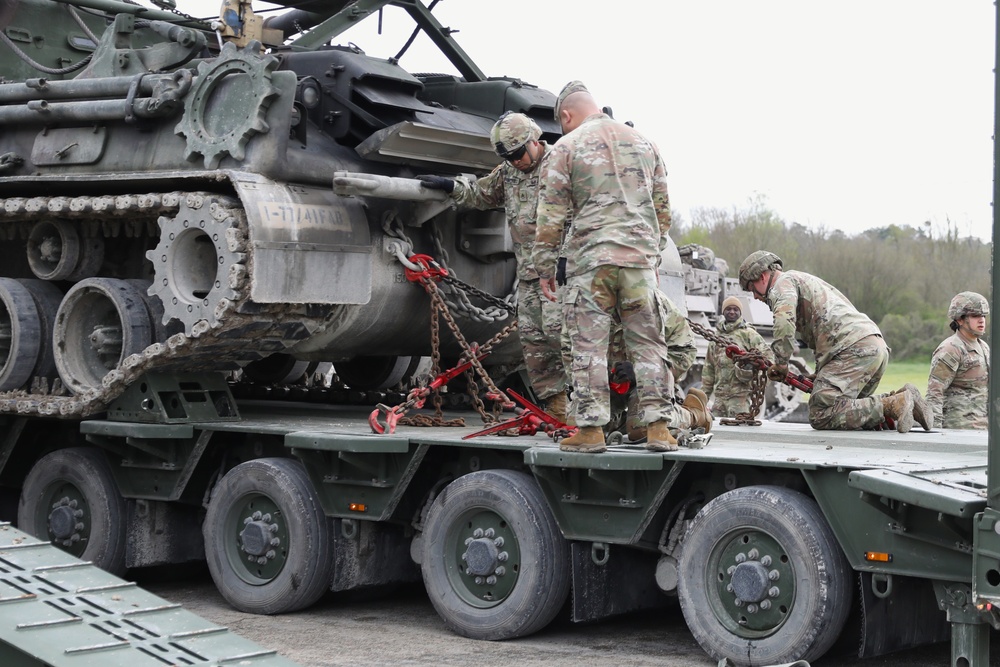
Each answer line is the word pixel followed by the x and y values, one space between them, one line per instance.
pixel 437 183
pixel 561 271
pixel 623 372
pixel 777 372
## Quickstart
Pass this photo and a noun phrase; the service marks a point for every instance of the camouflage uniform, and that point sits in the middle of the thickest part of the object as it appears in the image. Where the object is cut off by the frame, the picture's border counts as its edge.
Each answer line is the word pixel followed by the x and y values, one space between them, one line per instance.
pixel 958 383
pixel 539 321
pixel 850 353
pixel 729 382
pixel 610 182
pixel 682 350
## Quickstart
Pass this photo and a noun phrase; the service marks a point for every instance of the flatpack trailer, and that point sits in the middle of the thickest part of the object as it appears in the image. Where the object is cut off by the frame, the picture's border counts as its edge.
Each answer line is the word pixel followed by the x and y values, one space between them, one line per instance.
pixel 774 538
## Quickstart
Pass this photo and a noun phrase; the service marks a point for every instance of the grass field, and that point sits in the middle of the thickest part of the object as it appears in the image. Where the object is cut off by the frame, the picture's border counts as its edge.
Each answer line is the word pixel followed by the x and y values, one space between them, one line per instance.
pixel 901 372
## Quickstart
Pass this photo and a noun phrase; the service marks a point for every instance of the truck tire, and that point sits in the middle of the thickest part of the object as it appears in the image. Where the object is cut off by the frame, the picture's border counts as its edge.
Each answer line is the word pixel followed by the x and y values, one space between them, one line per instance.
pixel 495 564
pixel 70 498
pixel 762 578
pixel 267 541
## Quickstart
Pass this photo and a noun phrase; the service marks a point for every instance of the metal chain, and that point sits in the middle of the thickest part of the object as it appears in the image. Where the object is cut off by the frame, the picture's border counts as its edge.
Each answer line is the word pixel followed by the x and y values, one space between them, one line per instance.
pixel 449 319
pixel 758 383
pixel 459 291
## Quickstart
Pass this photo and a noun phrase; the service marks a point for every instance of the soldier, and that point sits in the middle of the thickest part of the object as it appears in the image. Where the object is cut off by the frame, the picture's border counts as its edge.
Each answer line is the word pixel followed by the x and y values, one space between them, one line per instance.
pixel 958 383
pixel 721 376
pixel 514 185
pixel 605 191
pixel 681 353
pixel 850 353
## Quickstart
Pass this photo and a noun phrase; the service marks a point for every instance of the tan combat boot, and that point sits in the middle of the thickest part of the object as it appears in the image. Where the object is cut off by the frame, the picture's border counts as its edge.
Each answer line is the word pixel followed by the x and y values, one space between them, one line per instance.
pixel 921 412
pixel 660 438
pixel 637 434
pixel 697 403
pixel 899 407
pixel 556 405
pixel 588 440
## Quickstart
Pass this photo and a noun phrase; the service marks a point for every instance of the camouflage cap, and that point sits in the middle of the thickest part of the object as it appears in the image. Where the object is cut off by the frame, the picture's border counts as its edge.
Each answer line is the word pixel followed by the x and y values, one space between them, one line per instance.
pixel 755 264
pixel 732 301
pixel 512 131
pixel 968 303
pixel 568 89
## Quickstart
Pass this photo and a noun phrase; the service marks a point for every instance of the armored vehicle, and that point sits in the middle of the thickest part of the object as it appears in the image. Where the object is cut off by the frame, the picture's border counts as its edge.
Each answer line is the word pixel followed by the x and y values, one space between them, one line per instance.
pixel 168 214
pixel 167 204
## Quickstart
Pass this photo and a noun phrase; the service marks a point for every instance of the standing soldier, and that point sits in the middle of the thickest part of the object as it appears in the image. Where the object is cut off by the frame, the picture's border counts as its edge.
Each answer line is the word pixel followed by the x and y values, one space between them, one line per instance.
pixel 682 350
pixel 958 383
pixel 605 191
pixel 850 353
pixel 721 376
pixel 514 185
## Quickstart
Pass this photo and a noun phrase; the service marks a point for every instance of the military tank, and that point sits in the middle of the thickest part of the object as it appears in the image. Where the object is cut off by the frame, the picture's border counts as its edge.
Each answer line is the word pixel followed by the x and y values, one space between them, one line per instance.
pixel 166 199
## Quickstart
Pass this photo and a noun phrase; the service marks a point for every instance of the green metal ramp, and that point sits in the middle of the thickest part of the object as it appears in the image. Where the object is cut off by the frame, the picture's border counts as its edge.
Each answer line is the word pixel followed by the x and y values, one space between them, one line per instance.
pixel 58 610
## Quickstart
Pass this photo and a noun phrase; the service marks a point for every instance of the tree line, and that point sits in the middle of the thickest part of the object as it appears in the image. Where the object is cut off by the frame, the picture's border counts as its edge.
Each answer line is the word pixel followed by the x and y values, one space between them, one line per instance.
pixel 903 277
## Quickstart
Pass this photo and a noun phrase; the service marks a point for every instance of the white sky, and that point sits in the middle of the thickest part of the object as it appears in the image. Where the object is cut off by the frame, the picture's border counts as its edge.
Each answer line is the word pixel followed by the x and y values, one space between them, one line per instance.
pixel 843 115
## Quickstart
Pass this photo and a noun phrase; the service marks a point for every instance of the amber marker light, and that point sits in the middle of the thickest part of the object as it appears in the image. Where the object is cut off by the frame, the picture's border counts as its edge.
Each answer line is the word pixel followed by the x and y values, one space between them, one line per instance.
pixel 358 507
pixel 878 557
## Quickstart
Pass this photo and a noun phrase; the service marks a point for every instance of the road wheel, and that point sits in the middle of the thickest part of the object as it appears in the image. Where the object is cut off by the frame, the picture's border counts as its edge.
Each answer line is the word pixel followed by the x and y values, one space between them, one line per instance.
pixel 495 564
pixel 762 578
pixel 21 339
pixel 70 497
pixel 267 540
pixel 101 322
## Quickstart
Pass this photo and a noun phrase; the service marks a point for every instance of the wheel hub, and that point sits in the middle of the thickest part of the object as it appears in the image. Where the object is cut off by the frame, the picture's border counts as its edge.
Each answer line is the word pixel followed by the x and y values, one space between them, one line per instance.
pixel 750 581
pixel 107 341
pixel 257 539
pixel 481 555
pixel 64 521
pixel 487 558
pixel 755 584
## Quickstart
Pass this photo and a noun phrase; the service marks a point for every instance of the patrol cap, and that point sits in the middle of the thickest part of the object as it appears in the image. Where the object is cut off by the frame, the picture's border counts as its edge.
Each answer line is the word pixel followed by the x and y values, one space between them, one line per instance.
pixel 968 303
pixel 755 264
pixel 732 301
pixel 570 88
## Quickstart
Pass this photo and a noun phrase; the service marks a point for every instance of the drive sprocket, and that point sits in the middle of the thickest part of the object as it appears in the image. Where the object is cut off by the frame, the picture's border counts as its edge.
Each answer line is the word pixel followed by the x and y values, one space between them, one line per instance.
pixel 227 104
pixel 199 261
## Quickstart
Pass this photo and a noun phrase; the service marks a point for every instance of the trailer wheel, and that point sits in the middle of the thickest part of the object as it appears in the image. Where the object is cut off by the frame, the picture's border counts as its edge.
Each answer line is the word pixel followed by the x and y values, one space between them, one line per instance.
pixel 267 541
pixel 70 497
pixel 762 578
pixel 495 564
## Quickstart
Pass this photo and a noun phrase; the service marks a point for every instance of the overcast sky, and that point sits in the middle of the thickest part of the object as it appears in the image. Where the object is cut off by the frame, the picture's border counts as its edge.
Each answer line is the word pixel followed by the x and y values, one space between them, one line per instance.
pixel 843 115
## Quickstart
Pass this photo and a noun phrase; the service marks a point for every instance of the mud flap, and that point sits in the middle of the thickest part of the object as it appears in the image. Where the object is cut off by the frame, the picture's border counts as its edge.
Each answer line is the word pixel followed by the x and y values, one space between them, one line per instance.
pixel 899 613
pixel 626 582
pixel 368 553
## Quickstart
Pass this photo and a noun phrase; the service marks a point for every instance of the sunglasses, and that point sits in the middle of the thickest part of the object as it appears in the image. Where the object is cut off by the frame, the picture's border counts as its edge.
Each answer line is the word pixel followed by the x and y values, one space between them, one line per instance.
pixel 516 155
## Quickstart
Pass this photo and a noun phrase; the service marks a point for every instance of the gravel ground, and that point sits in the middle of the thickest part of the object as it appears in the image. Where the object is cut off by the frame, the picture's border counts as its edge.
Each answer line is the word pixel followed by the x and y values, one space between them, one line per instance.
pixel 403 629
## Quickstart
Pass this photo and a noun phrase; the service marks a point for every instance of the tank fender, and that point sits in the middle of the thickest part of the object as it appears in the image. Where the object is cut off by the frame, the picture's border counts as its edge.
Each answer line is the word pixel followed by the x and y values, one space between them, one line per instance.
pixel 308 244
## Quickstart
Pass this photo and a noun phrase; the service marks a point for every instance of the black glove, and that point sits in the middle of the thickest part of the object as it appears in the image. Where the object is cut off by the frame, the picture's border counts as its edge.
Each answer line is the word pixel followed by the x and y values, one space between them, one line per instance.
pixel 437 183
pixel 561 271
pixel 777 372
pixel 623 372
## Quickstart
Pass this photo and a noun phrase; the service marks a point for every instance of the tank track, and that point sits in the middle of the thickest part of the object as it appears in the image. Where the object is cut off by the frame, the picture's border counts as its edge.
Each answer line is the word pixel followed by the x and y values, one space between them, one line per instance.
pixel 240 331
